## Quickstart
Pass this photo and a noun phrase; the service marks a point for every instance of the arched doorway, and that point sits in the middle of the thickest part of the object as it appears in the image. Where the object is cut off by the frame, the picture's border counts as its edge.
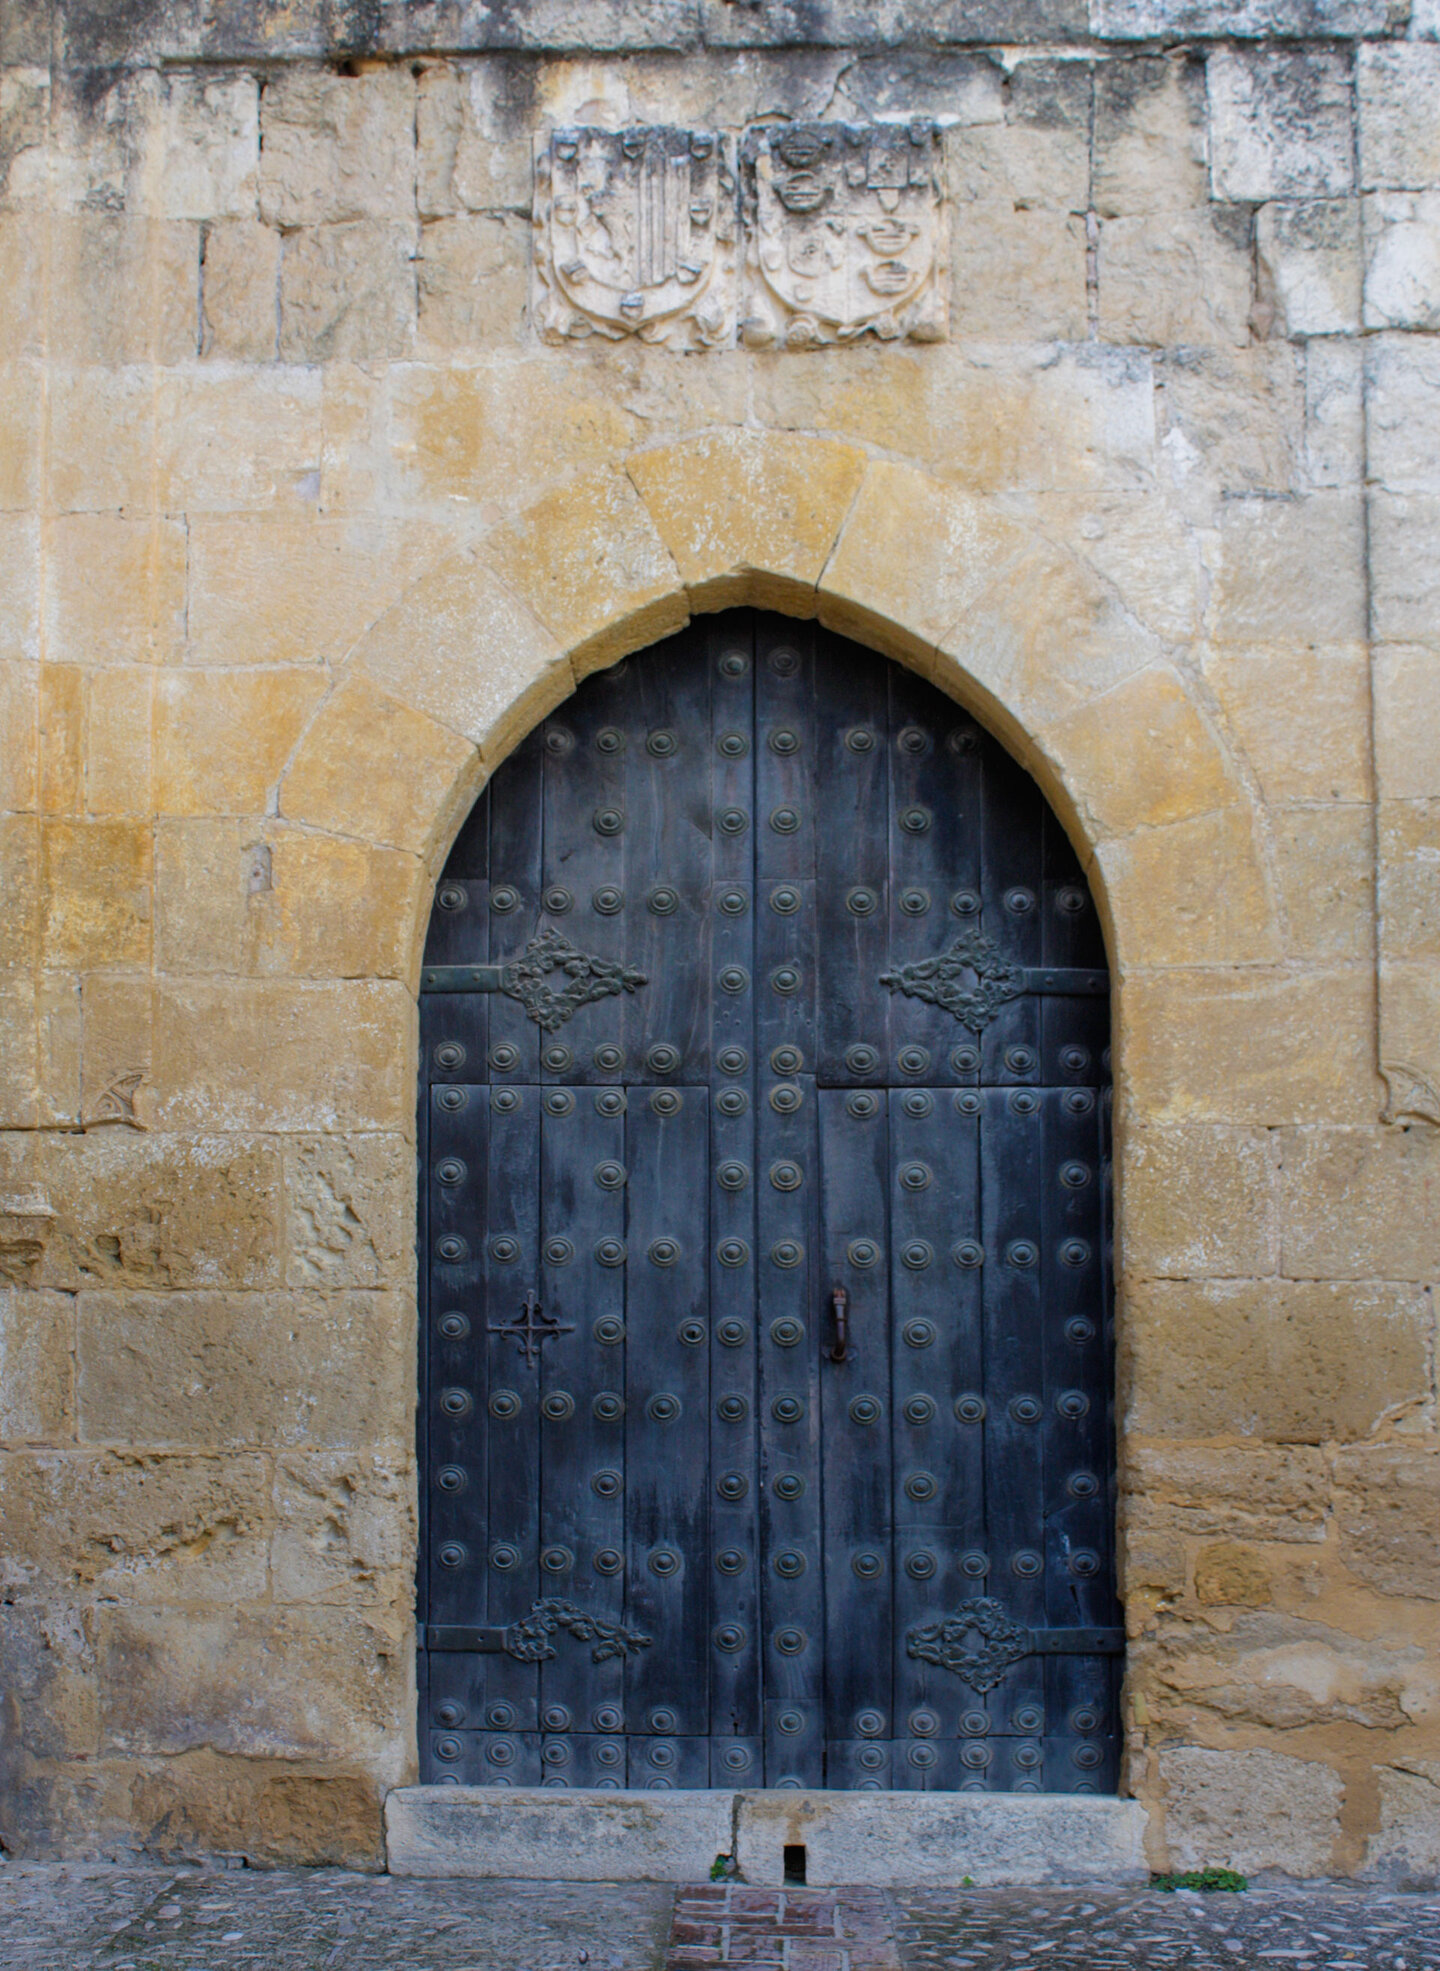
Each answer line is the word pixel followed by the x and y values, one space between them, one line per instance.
pixel 766 1362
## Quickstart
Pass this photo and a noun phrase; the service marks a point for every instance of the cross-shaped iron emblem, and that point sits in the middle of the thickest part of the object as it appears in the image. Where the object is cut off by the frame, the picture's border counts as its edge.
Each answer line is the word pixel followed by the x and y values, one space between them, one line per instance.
pixel 530 1327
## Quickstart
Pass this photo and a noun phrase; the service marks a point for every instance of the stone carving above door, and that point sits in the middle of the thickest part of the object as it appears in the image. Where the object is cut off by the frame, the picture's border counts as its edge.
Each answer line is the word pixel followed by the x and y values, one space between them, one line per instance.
pixel 843 234
pixel 635 236
pixel 641 232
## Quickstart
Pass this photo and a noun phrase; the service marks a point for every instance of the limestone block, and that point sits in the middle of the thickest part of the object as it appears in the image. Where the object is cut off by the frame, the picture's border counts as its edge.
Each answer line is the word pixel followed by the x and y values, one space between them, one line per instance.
pixel 356 445
pixel 1139 545
pixel 1402 259
pixel 1399 92
pixel 1139 20
pixel 115 589
pixel 333 909
pixel 589 564
pixel 281 902
pixel 1309 254
pixel 238 1370
pixel 1407 854
pixel 19 734
pixel 62 738
pixel 1405 1851
pixel 348 291
pixel 481 434
pixel 1231 420
pixel 209 130
pixel 95 879
pixel 161 1211
pixel 1407 717
pixel 115 1044
pixel 294 590
pixel 1167 1170
pixel 1246 1491
pixel 304 1820
pixel 473 273
pixel 372 767
pixel 239 291
pixel 1387 1509
pixel 912 560
pixel 1149 135
pixel 20 402
pixel 995 419
pixel 493 159
pixel 223 737
pixel 1402 405
pixel 19 1069
pixel 929 1839
pixel 464 650
pixel 438 114
pixel 1142 755
pixel 534 1833
pixel 232 438
pixel 1405 566
pixel 37 1367
pixel 1334 413
pixel 20 577
pixel 1356 1204
pixel 174 1681
pixel 272 1054
pixel 748 517
pixel 344 1528
pixel 1299 714
pixel 22 325
pixel 1018 274
pixel 1190 892
pixel 126 289
pixel 102 440
pixel 136 1527
pixel 1176 277
pixel 1409 1022
pixel 1280 124
pixel 1269 1670
pixel 20 863
pixel 1268 1046
pixel 1033 148
pixel 337 147
pixel 1256 1358
pixel 1291 571
pixel 50 1675
pixel 1325 872
pixel 349 1221
pixel 24 117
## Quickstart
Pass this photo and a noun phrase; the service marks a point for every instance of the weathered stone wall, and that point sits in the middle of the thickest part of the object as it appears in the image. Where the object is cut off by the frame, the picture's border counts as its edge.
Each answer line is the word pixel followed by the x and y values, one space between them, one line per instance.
pixel 301 527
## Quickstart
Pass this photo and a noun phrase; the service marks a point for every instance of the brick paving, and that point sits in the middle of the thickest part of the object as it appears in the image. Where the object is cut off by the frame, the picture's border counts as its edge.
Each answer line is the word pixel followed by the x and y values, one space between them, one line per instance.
pixel 781 1929
pixel 94 1917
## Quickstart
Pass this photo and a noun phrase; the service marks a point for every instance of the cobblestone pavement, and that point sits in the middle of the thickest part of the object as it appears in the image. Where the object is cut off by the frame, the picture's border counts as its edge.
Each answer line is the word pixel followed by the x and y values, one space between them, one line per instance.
pixel 69 1917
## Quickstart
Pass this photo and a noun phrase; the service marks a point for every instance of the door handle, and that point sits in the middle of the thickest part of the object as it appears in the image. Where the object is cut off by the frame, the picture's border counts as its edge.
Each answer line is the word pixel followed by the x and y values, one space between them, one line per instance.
pixel 840 1308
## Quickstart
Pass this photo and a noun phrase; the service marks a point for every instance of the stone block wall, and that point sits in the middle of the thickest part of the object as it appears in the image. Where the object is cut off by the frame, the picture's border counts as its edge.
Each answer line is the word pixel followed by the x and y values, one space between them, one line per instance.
pixel 301 527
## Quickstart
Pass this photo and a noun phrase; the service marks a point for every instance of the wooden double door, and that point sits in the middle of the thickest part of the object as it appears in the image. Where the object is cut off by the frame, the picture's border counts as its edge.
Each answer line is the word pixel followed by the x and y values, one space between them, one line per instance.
pixel 766 1349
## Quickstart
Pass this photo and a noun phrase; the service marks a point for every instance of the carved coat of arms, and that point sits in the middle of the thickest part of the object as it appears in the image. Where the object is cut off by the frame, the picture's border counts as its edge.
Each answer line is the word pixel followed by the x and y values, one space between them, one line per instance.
pixel 635 236
pixel 844 234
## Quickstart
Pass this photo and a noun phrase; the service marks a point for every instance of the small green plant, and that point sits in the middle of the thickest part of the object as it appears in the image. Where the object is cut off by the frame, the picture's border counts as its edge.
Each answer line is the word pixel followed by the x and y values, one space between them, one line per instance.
pixel 967 1881
pixel 719 1868
pixel 1202 1878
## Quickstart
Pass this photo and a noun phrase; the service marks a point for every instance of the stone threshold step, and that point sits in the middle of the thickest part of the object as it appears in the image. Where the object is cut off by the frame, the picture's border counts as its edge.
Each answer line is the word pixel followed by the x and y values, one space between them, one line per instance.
pixel 882 1840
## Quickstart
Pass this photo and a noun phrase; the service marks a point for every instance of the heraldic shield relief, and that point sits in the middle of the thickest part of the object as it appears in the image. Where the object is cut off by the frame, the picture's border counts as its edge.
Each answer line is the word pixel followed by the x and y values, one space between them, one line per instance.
pixel 844 234
pixel 635 235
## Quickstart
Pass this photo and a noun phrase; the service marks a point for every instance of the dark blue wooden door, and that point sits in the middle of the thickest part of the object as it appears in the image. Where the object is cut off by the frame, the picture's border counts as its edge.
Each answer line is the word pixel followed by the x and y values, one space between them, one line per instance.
pixel 766 1348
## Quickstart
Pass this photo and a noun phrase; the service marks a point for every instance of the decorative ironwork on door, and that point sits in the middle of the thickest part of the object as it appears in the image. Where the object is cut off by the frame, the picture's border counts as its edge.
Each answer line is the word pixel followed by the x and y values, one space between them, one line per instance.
pixel 766 1359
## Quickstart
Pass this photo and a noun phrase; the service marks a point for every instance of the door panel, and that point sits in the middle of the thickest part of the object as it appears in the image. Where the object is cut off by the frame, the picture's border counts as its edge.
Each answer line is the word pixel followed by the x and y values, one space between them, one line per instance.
pixel 775 994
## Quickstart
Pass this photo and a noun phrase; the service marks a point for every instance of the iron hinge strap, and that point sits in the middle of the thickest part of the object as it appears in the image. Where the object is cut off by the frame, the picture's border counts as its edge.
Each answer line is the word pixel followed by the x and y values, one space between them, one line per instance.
pixel 460 978
pixel 1076 981
pixel 448 1635
pixel 1043 1642
pixel 1077 1642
